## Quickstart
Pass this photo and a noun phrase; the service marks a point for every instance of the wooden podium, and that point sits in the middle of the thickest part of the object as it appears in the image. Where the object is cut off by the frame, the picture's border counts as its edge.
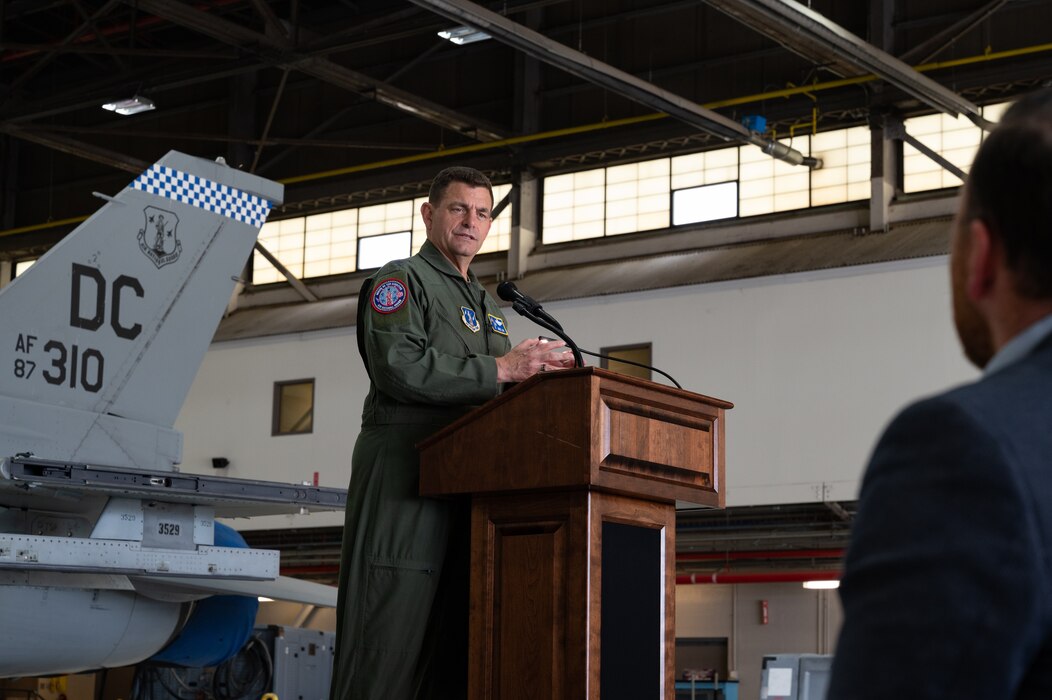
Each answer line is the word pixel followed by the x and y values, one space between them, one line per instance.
pixel 574 476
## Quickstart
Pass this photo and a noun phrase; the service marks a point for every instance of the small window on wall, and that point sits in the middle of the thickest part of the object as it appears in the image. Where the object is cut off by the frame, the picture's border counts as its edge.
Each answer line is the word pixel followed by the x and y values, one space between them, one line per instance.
pixel 293 407
pixel 632 353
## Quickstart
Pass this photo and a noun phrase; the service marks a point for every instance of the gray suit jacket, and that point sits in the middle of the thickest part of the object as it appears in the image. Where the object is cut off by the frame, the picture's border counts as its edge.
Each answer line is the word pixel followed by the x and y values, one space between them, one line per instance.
pixel 947 587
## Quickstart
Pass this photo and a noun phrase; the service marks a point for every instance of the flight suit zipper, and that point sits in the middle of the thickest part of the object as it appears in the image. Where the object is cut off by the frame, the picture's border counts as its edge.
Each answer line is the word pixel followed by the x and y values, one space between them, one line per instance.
pixel 484 320
pixel 480 313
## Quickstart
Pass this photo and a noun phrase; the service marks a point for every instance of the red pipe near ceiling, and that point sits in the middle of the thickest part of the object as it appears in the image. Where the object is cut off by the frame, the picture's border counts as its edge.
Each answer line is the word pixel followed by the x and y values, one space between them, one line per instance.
pixel 758 577
pixel 682 579
pixel 769 554
pixel 681 557
pixel 113 30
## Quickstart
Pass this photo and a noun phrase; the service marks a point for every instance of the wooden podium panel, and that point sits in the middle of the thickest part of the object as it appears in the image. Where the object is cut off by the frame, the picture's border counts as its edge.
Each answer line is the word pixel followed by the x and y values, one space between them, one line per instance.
pixel 529 574
pixel 536 632
pixel 574 477
pixel 584 428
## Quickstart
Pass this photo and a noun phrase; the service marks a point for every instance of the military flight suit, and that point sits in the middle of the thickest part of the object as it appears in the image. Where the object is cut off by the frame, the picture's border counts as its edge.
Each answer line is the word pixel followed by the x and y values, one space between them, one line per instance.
pixel 429 339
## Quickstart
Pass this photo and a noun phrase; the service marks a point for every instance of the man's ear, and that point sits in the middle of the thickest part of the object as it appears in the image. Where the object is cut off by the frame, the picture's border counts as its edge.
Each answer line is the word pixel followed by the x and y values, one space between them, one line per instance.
pixel 426 212
pixel 983 260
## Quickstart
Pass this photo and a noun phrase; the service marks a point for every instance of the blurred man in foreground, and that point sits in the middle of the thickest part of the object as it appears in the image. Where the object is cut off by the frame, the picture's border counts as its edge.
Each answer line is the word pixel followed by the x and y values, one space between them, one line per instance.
pixel 947 588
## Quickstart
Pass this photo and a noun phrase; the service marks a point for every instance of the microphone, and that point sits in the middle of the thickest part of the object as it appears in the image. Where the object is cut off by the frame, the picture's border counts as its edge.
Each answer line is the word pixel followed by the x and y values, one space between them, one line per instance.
pixel 509 292
pixel 527 307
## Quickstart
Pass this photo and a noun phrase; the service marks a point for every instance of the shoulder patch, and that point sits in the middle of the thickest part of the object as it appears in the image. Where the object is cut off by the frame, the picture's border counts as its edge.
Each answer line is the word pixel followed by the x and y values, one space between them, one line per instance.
pixel 389 296
pixel 496 324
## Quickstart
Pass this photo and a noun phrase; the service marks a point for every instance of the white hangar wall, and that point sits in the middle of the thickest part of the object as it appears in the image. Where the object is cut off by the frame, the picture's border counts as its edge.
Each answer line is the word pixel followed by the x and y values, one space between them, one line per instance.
pixel 228 414
pixel 816 364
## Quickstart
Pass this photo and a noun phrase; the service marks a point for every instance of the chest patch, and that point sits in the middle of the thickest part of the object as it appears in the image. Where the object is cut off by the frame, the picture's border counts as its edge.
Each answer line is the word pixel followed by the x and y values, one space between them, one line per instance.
pixel 470 319
pixel 496 324
pixel 389 296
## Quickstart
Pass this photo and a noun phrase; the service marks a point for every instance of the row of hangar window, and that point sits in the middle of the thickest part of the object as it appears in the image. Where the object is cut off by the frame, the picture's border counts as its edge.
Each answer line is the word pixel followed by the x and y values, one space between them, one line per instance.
pixel 651 195
pixel 727 183
pixel 293 412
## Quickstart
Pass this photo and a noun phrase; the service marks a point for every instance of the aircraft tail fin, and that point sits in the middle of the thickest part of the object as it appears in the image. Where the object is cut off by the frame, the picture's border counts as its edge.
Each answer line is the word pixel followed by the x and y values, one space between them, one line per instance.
pixel 115 319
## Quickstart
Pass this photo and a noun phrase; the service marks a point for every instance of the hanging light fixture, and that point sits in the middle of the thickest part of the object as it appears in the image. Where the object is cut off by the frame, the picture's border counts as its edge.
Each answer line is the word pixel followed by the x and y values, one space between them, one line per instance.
pixel 130 105
pixel 463 35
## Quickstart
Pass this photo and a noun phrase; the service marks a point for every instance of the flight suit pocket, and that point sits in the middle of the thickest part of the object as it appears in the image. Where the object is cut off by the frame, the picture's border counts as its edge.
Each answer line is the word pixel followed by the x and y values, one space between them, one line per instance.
pixel 449 333
pixel 397 605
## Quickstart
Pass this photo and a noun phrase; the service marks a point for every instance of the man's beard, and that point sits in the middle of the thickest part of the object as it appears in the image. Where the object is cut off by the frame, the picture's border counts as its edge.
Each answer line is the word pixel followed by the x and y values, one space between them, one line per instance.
pixel 972 328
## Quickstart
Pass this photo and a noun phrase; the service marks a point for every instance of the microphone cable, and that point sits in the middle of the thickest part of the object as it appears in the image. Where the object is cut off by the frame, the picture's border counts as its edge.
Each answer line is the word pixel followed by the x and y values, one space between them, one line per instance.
pixel 627 362
pixel 527 307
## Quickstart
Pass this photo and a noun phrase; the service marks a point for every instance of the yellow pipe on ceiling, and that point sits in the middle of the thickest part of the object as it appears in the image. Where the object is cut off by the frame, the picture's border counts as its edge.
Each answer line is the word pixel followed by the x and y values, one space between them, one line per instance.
pixel 556 133
pixel 598 126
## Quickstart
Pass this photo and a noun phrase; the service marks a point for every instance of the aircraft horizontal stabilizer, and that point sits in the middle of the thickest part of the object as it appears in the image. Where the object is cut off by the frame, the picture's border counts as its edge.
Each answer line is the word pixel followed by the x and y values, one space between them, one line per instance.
pixel 282 588
pixel 229 497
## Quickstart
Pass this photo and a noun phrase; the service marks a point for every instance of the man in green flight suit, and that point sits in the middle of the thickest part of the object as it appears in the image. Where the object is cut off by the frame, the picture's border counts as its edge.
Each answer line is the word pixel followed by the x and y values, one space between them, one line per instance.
pixel 435 345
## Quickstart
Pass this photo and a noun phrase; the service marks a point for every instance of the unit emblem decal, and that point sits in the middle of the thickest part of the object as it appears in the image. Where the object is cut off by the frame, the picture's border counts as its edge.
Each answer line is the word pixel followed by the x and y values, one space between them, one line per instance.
pixel 157 238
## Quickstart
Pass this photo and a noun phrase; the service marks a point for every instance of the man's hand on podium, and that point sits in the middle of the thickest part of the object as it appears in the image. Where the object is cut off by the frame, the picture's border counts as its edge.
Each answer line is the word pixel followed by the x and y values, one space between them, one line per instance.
pixel 531 356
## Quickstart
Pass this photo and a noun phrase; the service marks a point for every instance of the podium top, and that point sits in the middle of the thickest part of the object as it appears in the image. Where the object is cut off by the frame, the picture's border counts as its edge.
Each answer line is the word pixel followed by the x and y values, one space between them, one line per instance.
pixel 584 428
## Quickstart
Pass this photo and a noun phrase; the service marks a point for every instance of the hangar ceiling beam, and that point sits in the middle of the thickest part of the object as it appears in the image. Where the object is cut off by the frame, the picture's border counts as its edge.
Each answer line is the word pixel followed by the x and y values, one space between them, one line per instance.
pixel 898 131
pixel 815 37
pixel 76 148
pixel 49 55
pixel 335 118
pixel 776 29
pixel 542 48
pixel 926 51
pixel 270 119
pixel 224 54
pixel 171 135
pixel 275 53
pixel 293 280
pixel 275 27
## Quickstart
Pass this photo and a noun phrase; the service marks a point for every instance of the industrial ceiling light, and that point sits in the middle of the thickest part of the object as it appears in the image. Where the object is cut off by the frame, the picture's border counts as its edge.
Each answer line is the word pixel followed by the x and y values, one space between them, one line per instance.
pixel 130 105
pixel 822 584
pixel 463 35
